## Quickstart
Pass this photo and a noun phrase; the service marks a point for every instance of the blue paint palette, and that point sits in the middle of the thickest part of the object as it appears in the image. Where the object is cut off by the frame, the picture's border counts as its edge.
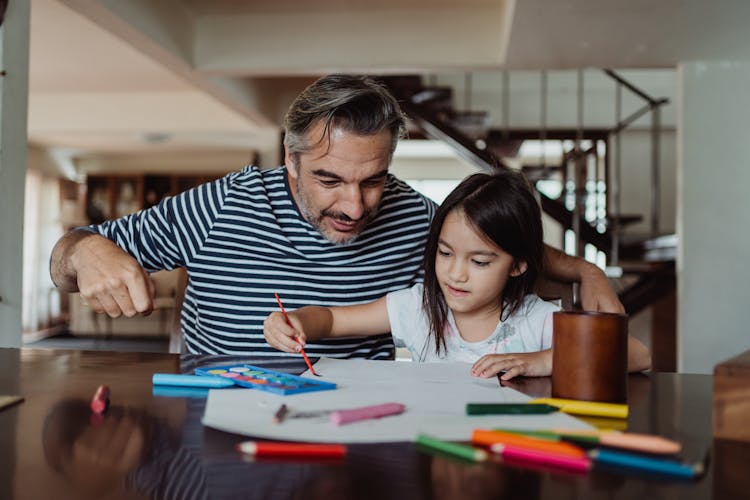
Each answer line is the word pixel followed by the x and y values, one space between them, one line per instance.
pixel 265 380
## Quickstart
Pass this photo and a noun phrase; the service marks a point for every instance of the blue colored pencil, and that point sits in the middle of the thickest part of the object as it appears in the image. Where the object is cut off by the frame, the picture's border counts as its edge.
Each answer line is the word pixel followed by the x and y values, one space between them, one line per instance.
pixel 182 380
pixel 644 463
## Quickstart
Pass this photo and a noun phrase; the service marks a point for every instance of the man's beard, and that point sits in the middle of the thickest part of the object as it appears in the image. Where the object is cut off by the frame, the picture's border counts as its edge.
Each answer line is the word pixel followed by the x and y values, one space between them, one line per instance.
pixel 316 220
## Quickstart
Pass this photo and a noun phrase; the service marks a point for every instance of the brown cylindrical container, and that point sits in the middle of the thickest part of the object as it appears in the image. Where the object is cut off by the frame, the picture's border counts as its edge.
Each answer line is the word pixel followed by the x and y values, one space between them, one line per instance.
pixel 590 356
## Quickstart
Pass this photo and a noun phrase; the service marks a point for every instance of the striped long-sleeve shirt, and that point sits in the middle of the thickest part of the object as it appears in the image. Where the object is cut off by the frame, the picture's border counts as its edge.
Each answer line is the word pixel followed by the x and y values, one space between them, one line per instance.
pixel 242 238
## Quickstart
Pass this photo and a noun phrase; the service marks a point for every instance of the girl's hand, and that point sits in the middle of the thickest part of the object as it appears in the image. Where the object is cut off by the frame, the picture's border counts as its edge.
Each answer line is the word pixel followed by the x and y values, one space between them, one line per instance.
pixel 529 364
pixel 280 335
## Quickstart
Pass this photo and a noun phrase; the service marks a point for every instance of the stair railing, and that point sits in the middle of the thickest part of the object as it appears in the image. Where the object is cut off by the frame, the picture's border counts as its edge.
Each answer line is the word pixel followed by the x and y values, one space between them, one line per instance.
pixel 651 105
pixel 585 166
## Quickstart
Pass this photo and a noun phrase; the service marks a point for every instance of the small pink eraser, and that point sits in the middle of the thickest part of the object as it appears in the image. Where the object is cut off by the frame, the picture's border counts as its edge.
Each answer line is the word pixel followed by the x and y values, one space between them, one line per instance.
pixel 340 417
pixel 100 401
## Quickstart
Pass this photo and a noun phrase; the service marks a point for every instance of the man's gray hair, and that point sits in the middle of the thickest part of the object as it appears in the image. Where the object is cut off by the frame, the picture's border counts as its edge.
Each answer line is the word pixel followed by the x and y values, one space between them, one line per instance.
pixel 355 104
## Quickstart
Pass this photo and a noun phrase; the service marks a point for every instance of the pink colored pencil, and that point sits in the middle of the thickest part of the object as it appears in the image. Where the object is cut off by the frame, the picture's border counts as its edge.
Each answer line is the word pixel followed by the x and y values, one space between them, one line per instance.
pixel 567 462
pixel 341 417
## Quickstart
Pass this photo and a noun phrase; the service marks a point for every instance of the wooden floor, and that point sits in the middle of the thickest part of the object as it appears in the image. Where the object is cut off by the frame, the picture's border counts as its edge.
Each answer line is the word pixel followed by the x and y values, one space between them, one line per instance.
pixel 67 341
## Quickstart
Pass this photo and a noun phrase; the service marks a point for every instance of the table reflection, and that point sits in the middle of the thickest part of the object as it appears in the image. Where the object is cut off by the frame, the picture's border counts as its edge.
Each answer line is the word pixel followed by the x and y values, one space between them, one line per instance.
pixel 151 445
pixel 453 480
pixel 125 449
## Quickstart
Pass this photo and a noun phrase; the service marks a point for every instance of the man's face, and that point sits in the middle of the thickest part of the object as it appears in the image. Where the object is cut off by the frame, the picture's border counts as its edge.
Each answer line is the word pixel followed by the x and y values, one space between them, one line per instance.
pixel 337 186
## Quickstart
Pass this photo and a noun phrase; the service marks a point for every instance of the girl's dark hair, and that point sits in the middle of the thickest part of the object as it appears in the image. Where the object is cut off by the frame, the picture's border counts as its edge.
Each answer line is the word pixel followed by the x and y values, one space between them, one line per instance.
pixel 502 208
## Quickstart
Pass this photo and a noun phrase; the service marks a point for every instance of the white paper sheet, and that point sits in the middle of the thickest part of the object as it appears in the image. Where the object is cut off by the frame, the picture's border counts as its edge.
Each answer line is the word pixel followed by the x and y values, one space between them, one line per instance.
pixel 435 395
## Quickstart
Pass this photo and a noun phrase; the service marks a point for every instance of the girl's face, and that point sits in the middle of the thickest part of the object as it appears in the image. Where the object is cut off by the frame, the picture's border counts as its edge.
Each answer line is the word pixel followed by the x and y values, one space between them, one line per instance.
pixel 472 271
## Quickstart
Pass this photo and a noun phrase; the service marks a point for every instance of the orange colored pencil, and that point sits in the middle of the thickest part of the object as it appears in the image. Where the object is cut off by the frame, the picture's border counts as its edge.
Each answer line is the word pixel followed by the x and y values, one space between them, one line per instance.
pixel 488 438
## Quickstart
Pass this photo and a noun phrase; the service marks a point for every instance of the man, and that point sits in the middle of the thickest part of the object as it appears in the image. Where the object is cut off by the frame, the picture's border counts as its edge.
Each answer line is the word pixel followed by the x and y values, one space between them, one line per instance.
pixel 331 227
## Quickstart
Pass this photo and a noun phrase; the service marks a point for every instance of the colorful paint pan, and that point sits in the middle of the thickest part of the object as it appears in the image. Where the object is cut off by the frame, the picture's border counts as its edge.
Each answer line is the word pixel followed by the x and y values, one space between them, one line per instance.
pixel 266 380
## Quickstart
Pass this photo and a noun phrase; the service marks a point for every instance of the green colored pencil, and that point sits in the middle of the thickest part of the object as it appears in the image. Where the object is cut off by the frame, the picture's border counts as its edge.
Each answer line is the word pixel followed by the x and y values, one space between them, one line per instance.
pixel 454 449
pixel 582 439
pixel 509 409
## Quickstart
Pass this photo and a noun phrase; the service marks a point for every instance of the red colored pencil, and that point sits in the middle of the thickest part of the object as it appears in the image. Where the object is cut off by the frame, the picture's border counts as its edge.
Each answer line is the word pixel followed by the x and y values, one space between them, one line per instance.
pixel 302 349
pixel 277 449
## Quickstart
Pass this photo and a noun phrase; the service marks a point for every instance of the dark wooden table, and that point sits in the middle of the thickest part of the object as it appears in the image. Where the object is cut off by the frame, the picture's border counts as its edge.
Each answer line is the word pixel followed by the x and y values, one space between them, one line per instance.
pixel 151 446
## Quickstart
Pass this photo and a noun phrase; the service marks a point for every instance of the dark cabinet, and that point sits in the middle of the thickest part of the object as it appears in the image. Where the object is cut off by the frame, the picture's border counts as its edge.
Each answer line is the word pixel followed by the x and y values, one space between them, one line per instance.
pixel 113 196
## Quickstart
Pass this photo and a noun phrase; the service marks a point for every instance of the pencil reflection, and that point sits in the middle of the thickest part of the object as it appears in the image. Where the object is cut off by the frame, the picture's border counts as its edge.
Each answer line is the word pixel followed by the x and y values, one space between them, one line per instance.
pixel 451 479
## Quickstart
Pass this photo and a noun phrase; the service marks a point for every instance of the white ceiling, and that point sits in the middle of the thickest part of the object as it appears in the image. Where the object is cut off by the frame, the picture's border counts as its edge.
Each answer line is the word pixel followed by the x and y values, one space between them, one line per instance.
pixel 115 76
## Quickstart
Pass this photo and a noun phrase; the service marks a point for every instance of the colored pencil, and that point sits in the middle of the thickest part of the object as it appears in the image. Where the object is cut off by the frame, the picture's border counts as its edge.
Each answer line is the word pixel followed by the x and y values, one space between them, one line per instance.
pixel 604 423
pixel 576 407
pixel 301 349
pixel 643 443
pixel 551 435
pixel 281 449
pixel 633 461
pixel 576 464
pixel 184 380
pixel 488 438
pixel 453 449
pixel 349 415
pixel 640 442
pixel 509 409
pixel 341 417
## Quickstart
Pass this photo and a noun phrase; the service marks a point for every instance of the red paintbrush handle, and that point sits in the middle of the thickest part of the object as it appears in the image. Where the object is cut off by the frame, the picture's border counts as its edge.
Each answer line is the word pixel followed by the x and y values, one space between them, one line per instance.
pixel 302 349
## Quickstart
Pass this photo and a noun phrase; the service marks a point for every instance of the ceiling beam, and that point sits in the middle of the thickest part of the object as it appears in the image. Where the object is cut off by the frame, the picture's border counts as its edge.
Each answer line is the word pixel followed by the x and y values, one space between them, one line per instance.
pixel 164 31
pixel 376 40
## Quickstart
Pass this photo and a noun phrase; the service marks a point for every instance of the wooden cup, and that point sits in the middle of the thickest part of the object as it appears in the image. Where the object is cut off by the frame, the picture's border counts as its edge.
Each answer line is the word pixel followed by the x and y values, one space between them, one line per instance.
pixel 590 356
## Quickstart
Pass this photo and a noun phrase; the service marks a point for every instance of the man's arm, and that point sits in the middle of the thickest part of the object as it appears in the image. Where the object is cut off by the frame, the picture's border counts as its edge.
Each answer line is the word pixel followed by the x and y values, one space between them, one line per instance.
pixel 639 358
pixel 596 292
pixel 61 271
pixel 108 278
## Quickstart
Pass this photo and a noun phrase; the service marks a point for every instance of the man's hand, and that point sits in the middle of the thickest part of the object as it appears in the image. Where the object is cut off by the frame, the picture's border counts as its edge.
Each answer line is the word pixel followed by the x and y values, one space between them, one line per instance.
pixel 109 279
pixel 597 293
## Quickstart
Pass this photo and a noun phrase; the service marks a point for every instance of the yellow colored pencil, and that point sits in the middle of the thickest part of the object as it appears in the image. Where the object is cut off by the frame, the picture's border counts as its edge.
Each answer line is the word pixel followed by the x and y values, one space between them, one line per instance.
pixel 593 408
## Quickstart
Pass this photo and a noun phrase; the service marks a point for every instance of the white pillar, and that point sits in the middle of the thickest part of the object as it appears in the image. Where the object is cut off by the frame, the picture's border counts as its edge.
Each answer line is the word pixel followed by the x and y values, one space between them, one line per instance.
pixel 14 88
pixel 713 213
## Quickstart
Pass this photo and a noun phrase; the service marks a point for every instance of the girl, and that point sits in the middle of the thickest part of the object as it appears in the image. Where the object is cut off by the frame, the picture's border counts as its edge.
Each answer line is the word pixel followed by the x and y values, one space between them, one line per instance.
pixel 484 254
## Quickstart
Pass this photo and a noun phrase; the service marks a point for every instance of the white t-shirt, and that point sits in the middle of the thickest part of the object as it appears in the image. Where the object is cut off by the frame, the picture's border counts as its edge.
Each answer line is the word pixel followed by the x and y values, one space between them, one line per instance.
pixel 528 330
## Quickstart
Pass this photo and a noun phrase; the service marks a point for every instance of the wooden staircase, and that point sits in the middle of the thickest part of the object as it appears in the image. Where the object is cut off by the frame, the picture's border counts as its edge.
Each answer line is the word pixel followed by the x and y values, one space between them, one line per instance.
pixel 648 263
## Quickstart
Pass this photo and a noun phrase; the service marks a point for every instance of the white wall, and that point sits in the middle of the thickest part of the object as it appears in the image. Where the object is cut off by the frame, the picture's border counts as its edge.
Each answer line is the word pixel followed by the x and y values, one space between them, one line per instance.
pixel 42 228
pixel 14 59
pixel 636 179
pixel 713 214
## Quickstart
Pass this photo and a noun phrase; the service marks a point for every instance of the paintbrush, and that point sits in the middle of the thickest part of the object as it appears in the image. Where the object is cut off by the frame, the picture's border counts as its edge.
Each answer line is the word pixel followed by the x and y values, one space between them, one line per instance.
pixel 302 349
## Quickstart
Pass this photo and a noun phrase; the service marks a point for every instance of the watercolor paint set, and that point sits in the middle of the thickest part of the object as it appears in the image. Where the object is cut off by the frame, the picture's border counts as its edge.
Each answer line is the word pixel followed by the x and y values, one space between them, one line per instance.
pixel 265 380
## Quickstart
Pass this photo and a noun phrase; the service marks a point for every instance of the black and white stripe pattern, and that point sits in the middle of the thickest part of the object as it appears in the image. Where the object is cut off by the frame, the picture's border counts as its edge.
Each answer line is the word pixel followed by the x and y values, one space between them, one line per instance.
pixel 242 238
